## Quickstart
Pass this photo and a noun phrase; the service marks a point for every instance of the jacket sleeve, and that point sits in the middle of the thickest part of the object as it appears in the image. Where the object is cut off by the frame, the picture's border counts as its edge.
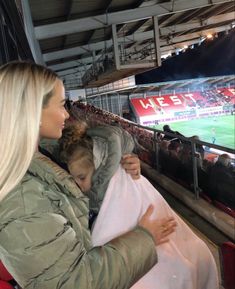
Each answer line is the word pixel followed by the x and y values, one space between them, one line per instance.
pixel 119 142
pixel 49 254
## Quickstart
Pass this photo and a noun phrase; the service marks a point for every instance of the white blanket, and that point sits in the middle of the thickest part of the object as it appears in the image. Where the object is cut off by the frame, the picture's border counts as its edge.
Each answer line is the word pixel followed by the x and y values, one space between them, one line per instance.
pixel 185 262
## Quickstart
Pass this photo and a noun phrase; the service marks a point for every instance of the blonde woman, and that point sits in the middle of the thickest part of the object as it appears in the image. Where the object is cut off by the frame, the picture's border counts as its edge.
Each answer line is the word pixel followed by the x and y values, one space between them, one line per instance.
pixel 44 238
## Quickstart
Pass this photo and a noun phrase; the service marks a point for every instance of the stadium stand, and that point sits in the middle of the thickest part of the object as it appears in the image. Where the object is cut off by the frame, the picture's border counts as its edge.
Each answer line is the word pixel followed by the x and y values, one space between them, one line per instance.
pixel 178 106
pixel 178 166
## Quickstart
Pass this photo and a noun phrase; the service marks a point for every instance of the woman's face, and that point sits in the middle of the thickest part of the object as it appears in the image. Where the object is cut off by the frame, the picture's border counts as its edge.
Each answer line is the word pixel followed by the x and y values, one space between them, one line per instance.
pixel 54 114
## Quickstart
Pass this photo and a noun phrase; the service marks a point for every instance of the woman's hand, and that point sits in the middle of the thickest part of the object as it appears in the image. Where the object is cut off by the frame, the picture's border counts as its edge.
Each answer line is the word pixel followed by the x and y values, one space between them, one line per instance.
pixel 131 164
pixel 160 229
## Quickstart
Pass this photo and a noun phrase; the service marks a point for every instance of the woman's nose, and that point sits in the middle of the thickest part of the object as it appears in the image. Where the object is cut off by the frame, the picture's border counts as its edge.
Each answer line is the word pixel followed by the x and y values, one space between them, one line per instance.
pixel 66 114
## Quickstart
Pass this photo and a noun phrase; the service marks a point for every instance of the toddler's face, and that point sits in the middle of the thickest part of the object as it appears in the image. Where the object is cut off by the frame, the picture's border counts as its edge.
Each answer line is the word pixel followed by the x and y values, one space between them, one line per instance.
pixel 82 175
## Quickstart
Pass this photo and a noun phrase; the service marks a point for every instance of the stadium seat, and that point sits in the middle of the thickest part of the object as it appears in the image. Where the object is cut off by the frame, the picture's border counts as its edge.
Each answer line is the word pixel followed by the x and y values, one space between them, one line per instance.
pixel 5 285
pixel 5 276
pixel 228 264
pixel 224 208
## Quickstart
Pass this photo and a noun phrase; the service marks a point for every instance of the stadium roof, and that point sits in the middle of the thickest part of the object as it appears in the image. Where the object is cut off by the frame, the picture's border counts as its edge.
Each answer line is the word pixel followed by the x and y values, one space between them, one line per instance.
pixel 161 87
pixel 70 36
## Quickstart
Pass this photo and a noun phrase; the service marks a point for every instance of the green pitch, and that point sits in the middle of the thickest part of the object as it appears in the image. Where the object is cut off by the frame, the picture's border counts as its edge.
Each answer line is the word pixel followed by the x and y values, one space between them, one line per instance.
pixel 220 127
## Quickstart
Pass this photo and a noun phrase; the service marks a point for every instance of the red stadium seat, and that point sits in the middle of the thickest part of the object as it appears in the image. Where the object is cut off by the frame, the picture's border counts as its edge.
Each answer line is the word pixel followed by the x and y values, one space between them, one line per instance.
pixel 4 274
pixel 5 285
pixel 225 208
pixel 228 263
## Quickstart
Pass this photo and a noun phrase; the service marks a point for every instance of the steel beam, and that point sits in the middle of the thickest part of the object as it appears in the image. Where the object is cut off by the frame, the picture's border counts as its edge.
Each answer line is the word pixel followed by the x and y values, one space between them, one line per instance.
pixel 138 37
pixel 101 21
pixel 30 33
pixel 165 49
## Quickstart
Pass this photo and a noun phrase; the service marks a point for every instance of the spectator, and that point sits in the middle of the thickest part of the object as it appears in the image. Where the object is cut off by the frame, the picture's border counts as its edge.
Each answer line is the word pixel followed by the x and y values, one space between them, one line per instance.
pixel 222 181
pixel 44 237
pixel 167 129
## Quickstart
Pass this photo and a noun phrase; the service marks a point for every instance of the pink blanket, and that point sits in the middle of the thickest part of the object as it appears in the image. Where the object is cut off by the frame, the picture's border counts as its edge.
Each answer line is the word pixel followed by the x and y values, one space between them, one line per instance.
pixel 185 262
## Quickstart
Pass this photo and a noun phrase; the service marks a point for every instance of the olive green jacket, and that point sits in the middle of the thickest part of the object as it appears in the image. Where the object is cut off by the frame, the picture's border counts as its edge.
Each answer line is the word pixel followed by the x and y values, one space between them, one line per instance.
pixel 110 143
pixel 45 241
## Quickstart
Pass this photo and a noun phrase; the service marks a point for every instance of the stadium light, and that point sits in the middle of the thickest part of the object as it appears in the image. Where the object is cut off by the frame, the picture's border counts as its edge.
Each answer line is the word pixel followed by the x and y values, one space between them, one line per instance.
pixel 167 55
pixel 209 36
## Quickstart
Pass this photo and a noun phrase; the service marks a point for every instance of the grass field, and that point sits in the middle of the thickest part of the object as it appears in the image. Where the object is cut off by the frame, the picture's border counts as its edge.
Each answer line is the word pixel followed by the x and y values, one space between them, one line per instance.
pixel 223 127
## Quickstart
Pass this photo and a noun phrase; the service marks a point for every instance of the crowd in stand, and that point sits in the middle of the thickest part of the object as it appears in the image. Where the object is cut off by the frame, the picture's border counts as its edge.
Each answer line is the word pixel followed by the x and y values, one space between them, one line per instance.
pixel 175 157
pixel 215 98
pixel 216 180
pixel 212 98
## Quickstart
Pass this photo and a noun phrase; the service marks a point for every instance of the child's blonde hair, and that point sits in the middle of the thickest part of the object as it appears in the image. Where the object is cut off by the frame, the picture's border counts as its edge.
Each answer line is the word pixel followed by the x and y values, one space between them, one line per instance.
pixel 75 145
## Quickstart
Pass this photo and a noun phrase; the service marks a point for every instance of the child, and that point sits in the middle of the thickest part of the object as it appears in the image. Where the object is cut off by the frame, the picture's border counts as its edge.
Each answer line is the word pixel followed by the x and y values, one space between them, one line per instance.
pixel 184 262
pixel 99 149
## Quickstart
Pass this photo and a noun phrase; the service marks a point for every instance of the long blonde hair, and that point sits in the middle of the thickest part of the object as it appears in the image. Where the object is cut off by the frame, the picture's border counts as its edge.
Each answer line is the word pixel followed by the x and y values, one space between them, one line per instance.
pixel 25 88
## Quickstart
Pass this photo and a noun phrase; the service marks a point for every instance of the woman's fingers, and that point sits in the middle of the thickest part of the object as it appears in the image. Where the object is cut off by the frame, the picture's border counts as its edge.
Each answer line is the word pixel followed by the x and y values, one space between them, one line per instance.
pixel 166 228
pixel 159 228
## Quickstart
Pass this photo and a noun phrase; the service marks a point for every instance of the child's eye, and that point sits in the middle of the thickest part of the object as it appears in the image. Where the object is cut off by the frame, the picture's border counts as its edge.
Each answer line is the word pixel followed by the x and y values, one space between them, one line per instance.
pixel 81 178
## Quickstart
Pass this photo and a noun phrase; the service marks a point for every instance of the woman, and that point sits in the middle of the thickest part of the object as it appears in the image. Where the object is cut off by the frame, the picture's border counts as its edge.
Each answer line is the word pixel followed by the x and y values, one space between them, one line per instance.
pixel 44 237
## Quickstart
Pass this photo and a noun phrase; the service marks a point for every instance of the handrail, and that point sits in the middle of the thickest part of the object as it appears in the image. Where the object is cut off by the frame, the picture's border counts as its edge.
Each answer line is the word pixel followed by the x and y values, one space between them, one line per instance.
pixel 229 150
pixel 193 142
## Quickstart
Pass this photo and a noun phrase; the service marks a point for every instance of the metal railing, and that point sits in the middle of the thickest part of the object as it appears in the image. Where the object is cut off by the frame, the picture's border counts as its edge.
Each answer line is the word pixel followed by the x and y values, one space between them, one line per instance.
pixel 193 143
